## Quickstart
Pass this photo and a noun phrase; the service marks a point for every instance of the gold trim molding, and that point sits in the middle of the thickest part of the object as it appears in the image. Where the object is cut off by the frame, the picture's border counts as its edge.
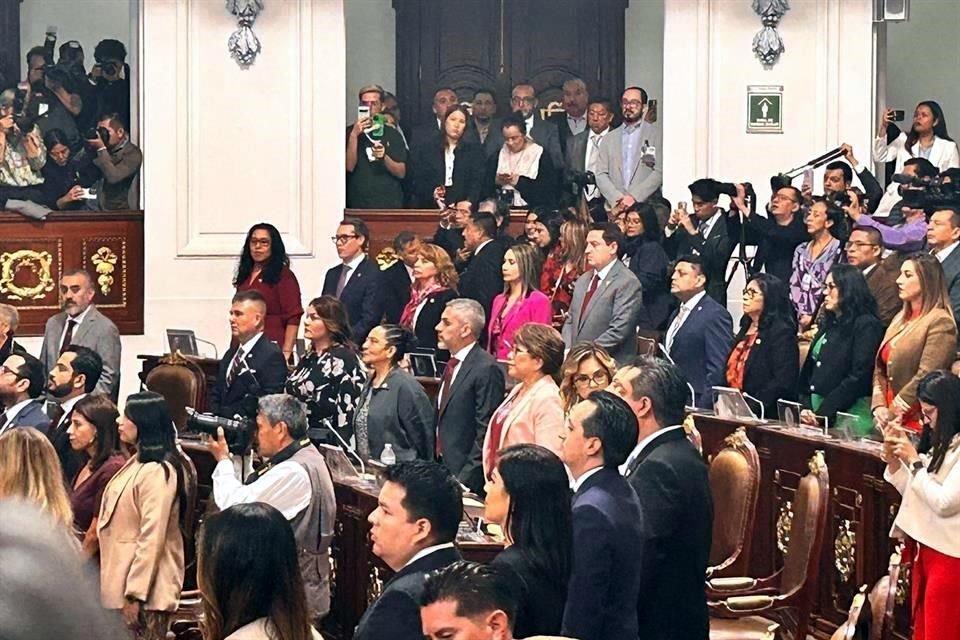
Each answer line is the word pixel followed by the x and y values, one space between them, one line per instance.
pixel 39 262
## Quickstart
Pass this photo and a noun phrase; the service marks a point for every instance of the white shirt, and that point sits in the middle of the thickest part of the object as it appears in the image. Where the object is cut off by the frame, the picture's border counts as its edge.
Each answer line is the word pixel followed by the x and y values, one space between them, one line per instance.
pixel 944 253
pixel 14 411
pixel 869 270
pixel 643 443
pixel 448 166
pixel 602 274
pixel 460 356
pixel 529 122
pixel 579 481
pixel 68 406
pixel 248 345
pixel 590 160
pixel 78 319
pixel 423 553
pixel 409 271
pixel 352 264
pixel 285 487
pixel 707 225
pixel 682 314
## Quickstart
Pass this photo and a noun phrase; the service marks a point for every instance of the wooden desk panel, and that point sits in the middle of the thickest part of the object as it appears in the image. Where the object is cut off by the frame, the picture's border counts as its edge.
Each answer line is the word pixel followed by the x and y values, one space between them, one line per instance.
pixel 33 255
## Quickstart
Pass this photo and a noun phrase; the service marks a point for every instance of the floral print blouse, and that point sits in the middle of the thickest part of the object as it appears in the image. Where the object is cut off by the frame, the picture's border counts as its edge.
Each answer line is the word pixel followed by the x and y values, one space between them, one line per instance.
pixel 330 384
pixel 809 275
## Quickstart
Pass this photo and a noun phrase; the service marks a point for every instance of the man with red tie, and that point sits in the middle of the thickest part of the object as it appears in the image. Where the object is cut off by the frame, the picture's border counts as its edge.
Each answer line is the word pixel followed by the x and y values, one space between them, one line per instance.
pixel 471 389
pixel 606 299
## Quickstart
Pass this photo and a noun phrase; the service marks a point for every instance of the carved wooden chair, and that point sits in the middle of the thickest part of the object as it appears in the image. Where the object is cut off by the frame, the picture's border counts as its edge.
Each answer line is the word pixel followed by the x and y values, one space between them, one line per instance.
pixel 188 617
pixel 181 382
pixel 742 608
pixel 646 346
pixel 190 519
pixel 871 615
pixel 735 484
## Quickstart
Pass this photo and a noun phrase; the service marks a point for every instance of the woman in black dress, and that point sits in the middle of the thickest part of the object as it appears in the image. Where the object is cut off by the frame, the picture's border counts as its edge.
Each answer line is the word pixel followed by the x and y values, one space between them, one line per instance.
pixel 528 495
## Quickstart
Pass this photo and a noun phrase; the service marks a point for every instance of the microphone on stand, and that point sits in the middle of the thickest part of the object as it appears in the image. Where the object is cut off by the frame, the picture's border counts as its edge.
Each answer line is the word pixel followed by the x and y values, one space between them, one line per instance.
pixel 350 450
pixel 215 351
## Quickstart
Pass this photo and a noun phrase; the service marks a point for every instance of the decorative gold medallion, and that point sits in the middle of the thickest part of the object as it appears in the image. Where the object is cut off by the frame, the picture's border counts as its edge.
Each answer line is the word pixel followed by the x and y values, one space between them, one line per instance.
pixel 105 261
pixel 845 550
pixel 36 262
pixel 784 521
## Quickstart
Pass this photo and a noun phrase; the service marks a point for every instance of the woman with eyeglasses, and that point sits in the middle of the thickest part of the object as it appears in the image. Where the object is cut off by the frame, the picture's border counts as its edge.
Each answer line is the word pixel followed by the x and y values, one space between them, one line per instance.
pixel 838 372
pixel 531 412
pixel 523 171
pixel 564 264
pixel 521 302
pixel 330 377
pixel 928 479
pixel 446 169
pixel 644 255
pixel 588 367
pixel 922 338
pixel 765 360
pixel 265 268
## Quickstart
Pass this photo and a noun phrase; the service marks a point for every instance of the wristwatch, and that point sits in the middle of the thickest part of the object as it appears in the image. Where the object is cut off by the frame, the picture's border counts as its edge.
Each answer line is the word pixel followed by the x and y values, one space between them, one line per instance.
pixel 916 466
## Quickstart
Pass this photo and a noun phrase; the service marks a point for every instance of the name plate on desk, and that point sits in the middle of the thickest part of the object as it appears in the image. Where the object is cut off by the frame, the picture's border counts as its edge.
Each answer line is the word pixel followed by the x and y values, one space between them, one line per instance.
pixel 34 254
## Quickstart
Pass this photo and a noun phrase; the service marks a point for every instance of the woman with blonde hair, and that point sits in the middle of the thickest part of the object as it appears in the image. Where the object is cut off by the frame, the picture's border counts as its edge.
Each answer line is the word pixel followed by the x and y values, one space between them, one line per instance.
pixel 564 265
pixel 435 282
pixel 520 301
pixel 30 469
pixel 588 367
pixel 921 338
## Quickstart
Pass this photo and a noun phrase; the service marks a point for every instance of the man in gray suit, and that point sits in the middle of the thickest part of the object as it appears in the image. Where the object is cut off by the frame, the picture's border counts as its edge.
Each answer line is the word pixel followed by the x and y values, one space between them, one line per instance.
pixel 80 323
pixel 943 238
pixel 523 98
pixel 583 149
pixel 628 167
pixel 606 299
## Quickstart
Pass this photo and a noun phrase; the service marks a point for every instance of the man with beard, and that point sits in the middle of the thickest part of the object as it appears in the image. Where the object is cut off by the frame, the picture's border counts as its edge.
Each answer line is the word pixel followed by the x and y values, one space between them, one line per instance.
pixel 73 378
pixel 21 383
pixel 573 119
pixel 81 323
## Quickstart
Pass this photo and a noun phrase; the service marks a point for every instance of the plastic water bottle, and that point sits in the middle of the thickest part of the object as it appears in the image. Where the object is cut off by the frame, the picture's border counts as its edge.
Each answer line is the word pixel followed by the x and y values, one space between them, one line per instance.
pixel 388 456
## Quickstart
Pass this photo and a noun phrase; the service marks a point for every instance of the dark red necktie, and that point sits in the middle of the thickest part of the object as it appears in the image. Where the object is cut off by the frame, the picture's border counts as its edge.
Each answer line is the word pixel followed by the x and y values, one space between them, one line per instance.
pixel 68 336
pixel 446 383
pixel 586 299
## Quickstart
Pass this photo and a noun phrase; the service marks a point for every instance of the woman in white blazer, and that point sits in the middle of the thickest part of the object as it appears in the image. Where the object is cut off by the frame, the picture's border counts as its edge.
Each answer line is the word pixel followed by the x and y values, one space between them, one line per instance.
pixel 929 515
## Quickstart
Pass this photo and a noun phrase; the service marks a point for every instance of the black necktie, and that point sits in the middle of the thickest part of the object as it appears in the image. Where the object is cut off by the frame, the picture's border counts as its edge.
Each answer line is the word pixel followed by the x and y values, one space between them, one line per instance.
pixel 68 336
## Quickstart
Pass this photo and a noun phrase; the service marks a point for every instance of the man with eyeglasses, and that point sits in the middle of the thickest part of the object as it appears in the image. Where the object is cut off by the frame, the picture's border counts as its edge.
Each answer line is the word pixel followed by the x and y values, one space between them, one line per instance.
pixel 865 252
pixel 21 383
pixel 777 234
pixel 523 99
pixel 356 280
pixel 627 169
pixel 376 158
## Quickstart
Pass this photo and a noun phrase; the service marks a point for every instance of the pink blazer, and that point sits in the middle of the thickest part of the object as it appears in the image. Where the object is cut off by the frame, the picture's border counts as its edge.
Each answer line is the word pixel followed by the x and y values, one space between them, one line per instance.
pixel 537 418
pixel 534 308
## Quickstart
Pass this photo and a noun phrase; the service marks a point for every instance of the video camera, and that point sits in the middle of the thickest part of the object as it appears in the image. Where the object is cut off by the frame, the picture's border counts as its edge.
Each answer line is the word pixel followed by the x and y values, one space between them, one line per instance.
pixel 98 132
pixel 237 431
pixel 927 193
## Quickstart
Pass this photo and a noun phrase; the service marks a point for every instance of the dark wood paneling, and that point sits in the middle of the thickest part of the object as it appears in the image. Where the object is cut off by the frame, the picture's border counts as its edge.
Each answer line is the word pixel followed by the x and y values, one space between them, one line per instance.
pixel 10 64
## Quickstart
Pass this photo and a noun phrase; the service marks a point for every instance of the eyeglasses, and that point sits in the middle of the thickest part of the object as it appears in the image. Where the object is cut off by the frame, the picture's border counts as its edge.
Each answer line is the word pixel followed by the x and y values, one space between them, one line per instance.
pixel 342 239
pixel 631 103
pixel 751 294
pixel 7 371
pixel 599 379
pixel 523 99
pixel 259 242
pixel 858 245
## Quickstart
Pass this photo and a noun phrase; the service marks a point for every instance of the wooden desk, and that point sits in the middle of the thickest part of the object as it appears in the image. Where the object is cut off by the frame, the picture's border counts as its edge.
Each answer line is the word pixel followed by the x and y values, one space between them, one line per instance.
pixel 34 254
pixel 861 510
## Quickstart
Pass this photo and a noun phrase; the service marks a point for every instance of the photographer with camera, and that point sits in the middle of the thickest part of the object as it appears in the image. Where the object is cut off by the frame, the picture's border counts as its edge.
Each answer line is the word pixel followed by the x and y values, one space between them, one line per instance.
pixel 777 235
pixel 583 150
pixel 51 101
pixel 117 158
pixel 838 178
pixel 22 156
pixel 295 480
pixel 111 80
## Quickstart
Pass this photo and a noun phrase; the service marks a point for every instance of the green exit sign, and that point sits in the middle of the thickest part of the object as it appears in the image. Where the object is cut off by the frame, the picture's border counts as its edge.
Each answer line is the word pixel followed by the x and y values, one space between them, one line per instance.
pixel 764 109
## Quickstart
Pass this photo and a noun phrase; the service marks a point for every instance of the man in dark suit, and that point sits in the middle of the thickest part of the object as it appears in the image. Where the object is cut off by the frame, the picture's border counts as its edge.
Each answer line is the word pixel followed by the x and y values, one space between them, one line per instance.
pixel 73 378
pixel 670 479
pixel 449 233
pixel 253 367
pixel 470 391
pixel 482 279
pixel 776 235
pixel 703 234
pixel 608 522
pixel 573 120
pixel 469 601
pixel 443 99
pixel 412 530
pixel 398 277
pixel 943 236
pixel 583 149
pixel 483 129
pixel 21 383
pixel 700 333
pixel 356 280
pixel 865 252
pixel 523 98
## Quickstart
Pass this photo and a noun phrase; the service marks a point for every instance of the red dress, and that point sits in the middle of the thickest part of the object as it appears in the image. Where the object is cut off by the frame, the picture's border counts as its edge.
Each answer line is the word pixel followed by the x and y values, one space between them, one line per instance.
pixel 283 303
pixel 557 284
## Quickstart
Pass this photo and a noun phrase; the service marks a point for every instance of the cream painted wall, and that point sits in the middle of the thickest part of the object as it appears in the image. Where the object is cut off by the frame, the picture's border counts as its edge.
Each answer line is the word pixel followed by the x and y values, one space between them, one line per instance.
pixel 643 29
pixel 371 48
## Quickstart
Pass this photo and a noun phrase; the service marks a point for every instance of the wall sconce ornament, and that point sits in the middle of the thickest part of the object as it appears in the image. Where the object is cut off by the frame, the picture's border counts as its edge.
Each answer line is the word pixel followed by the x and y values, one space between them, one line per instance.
pixel 767 44
pixel 243 44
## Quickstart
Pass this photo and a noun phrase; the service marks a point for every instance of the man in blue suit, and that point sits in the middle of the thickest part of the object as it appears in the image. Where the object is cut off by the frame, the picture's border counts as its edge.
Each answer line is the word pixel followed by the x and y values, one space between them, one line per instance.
pixel 608 525
pixel 21 383
pixel 700 333
pixel 356 280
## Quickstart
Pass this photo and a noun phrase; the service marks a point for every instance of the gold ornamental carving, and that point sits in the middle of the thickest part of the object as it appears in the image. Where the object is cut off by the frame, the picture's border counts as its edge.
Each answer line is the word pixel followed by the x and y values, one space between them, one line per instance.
pixel 784 521
pixel 845 550
pixel 38 262
pixel 817 463
pixel 374 585
pixel 105 263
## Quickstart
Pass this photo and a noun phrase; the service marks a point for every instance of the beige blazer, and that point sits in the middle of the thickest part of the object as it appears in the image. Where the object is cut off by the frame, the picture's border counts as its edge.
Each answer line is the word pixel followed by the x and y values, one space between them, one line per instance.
pixel 916 348
pixel 537 418
pixel 141 547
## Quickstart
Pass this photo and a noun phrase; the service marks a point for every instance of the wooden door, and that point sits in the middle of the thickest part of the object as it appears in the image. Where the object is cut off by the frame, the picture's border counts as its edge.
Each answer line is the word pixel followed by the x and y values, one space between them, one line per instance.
pixel 10 64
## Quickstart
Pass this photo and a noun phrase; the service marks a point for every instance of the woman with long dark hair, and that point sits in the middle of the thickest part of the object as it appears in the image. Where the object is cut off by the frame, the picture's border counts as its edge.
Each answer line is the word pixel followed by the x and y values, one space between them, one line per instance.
pixel 521 302
pixel 564 264
pixel 447 169
pixel 248 576
pixel 265 267
pixel 61 183
pixel 643 253
pixel 93 432
pixel 528 495
pixel 838 372
pixel 329 379
pixel 141 545
pixel 765 359
pixel 929 514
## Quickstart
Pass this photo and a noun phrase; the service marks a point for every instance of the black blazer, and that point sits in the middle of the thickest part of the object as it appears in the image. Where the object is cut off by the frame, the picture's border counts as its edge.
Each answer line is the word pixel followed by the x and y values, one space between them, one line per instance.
pixel 396 291
pixel 428 171
pixel 70 460
pixel 541 598
pixel 671 481
pixel 563 129
pixel 542 192
pixel 775 243
pixel 396 613
pixel 363 297
pixel 266 372
pixel 650 264
pixel 450 240
pixel 714 250
pixel 844 372
pixel 609 534
pixel 462 422
pixel 773 366
pixel 482 280
pixel 492 143
pixel 426 326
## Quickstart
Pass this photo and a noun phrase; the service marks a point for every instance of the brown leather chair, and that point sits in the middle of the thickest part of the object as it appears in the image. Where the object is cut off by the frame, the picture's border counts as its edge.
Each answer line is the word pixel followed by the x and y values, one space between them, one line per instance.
pixel 871 616
pixel 742 608
pixel 181 382
pixel 190 519
pixel 734 484
pixel 188 617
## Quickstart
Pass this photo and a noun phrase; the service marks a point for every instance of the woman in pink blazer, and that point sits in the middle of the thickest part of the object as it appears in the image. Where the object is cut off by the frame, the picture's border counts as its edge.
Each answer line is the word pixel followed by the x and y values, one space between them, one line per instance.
pixel 521 301
pixel 531 412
